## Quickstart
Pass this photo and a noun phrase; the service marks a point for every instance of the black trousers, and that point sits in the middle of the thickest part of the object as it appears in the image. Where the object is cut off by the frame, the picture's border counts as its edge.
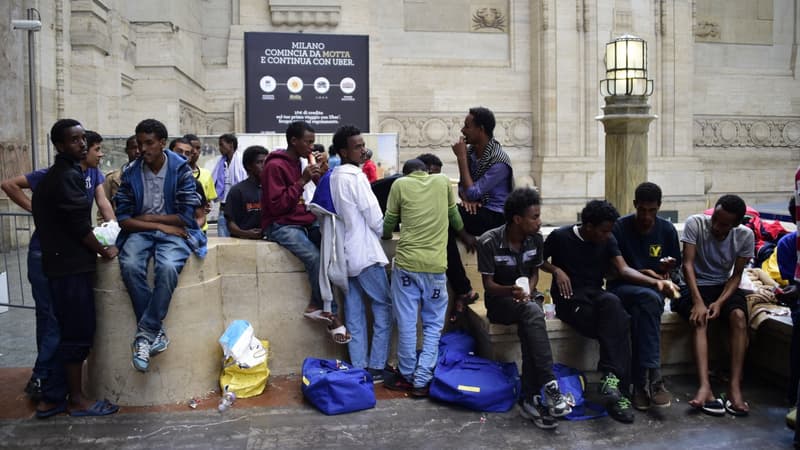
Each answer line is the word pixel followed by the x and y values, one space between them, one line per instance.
pixel 476 225
pixel 599 314
pixel 537 358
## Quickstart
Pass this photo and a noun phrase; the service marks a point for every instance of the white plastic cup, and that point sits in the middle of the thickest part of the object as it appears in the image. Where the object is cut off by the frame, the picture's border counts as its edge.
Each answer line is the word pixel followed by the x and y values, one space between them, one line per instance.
pixel 549 311
pixel 525 284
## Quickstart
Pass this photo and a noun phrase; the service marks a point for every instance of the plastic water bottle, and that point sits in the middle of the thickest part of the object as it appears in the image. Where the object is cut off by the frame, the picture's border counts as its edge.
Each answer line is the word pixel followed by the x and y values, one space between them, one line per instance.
pixel 226 401
pixel 549 306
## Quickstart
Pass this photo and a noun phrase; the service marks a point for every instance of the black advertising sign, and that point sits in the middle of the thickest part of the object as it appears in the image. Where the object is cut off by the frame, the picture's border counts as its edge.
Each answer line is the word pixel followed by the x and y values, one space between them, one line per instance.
pixel 320 78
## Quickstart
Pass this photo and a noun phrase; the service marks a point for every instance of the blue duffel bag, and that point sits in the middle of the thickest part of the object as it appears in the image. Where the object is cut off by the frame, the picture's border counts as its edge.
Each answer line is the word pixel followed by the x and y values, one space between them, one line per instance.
pixel 335 387
pixel 475 383
pixel 458 341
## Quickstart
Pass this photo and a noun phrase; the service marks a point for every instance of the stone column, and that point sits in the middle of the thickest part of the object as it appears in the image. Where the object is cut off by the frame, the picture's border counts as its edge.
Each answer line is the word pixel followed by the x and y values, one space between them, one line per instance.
pixel 626 120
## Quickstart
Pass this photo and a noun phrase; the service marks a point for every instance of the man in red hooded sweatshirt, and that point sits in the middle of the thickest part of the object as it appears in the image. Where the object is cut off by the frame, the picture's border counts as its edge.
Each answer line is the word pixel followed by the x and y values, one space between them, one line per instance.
pixel 286 220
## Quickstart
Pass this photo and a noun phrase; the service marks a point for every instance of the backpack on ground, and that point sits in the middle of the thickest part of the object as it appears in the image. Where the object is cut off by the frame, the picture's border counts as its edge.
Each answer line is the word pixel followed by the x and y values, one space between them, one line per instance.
pixel 475 383
pixel 335 387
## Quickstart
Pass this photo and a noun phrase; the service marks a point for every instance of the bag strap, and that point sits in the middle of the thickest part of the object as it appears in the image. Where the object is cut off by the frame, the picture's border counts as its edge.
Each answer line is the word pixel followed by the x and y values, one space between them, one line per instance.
pixel 591 410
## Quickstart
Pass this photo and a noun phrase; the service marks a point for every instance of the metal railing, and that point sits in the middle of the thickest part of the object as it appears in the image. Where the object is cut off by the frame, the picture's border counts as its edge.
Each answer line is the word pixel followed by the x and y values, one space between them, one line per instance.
pixel 15 235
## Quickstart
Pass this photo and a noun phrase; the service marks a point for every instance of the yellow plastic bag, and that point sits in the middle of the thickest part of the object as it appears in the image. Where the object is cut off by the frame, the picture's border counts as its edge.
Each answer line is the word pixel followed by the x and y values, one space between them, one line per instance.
pixel 245 382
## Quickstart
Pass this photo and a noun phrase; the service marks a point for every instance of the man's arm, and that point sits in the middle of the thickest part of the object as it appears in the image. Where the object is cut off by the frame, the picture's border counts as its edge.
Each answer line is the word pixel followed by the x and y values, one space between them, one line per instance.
pixel 103 205
pixel 282 194
pixel 699 313
pixel 562 279
pixel 460 150
pixel 13 188
pixel 634 276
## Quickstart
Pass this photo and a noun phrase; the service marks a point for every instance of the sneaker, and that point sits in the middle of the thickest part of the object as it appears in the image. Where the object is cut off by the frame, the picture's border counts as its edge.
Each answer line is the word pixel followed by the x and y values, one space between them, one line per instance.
pixel 537 413
pixel 621 410
pixel 160 343
pixel 397 383
pixel 791 418
pixel 641 400
pixel 609 387
pixel 141 354
pixel 34 389
pixel 421 392
pixel 377 375
pixel 556 403
pixel 659 395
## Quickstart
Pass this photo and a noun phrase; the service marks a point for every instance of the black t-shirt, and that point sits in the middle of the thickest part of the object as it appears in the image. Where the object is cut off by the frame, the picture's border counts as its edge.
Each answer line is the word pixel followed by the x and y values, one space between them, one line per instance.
pixel 644 251
pixel 243 205
pixel 504 264
pixel 586 263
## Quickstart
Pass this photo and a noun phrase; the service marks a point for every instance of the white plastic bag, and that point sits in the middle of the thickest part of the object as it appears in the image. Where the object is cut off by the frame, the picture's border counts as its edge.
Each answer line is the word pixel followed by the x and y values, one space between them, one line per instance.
pixel 107 233
pixel 239 343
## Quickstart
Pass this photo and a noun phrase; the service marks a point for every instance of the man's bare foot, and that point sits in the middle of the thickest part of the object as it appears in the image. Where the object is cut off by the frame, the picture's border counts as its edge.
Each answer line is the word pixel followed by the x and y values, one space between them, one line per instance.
pixel 702 396
pixel 737 400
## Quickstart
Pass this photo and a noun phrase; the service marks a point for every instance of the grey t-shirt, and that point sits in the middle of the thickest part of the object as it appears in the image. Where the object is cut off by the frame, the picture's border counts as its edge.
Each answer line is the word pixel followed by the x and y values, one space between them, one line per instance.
pixel 715 259
pixel 153 196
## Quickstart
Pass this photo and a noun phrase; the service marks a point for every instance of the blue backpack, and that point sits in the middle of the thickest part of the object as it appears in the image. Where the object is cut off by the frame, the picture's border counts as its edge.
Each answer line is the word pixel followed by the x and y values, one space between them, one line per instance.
pixel 334 387
pixel 475 383
pixel 572 384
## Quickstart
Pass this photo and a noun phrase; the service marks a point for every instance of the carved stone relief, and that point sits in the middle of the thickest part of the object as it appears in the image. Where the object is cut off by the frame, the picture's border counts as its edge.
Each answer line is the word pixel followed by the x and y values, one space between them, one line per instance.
pixel 192 119
pixel 15 158
pixel 705 30
pixel 746 132
pixel 419 130
pixel 305 12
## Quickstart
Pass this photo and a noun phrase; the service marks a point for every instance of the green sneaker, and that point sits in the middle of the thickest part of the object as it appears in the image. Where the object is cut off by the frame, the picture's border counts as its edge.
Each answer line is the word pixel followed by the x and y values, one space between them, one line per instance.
pixel 609 387
pixel 791 418
pixel 621 410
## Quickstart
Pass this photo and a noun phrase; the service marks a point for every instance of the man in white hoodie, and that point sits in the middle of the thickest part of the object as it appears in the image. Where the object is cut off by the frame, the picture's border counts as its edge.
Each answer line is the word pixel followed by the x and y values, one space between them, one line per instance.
pixel 359 212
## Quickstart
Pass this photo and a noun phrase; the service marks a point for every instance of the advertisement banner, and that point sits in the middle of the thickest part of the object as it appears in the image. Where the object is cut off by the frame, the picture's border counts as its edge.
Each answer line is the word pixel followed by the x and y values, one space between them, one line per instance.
pixel 320 78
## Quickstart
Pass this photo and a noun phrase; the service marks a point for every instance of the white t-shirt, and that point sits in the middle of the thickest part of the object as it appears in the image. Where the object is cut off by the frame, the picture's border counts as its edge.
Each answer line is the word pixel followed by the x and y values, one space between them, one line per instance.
pixel 715 259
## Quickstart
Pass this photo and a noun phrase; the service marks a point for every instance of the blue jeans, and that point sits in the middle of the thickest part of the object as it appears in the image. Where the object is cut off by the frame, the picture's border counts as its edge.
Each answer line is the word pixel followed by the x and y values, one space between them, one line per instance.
pixel 645 307
pixel 169 253
pixel 299 240
pixel 47 331
pixel 423 294
pixel 372 283
pixel 222 224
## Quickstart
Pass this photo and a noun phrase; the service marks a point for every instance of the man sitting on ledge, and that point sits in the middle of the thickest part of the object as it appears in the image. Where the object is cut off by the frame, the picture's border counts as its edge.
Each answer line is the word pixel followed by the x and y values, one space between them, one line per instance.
pixel 715 251
pixel 581 255
pixel 156 205
pixel 506 253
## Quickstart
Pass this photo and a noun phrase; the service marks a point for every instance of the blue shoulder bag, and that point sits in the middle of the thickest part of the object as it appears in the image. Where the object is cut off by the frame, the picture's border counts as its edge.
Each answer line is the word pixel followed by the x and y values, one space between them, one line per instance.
pixel 475 383
pixel 335 387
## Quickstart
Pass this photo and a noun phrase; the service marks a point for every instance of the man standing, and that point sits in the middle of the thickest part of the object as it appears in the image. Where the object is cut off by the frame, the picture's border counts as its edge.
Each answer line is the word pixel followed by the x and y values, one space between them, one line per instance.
pixel 114 178
pixel 243 205
pixel 369 168
pixel 580 256
pixel 286 220
pixel 62 214
pixel 485 180
pixel 425 205
pixel 358 210
pixel 200 174
pixel 47 334
pixel 228 171
pixel 156 205
pixel 505 254
pixel 715 251
pixel 648 244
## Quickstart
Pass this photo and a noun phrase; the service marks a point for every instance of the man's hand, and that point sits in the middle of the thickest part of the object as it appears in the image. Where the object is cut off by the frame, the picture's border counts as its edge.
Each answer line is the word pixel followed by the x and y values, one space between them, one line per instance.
pixel 311 171
pixel 460 148
pixel 109 252
pixel 253 233
pixel 713 310
pixel 699 315
pixel 519 294
pixel 563 283
pixel 470 241
pixel 173 230
pixel 667 288
pixel 667 264
pixel 471 207
pixel 789 294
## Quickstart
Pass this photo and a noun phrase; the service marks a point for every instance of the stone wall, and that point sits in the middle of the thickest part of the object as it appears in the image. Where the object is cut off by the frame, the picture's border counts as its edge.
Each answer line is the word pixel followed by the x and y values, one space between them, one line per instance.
pixel 724 72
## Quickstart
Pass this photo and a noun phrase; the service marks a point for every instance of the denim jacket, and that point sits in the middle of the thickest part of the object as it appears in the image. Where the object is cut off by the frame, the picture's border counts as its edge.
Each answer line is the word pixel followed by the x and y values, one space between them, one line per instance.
pixel 180 197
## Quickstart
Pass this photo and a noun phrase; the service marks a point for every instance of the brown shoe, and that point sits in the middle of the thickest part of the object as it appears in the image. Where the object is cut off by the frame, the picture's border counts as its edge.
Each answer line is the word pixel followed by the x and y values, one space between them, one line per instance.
pixel 660 397
pixel 641 400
